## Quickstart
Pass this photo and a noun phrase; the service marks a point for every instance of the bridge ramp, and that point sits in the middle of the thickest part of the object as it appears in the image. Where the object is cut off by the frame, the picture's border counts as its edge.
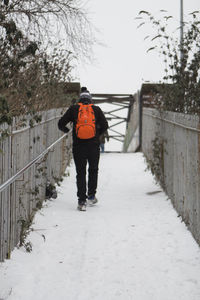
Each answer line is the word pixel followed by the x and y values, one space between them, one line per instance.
pixel 132 245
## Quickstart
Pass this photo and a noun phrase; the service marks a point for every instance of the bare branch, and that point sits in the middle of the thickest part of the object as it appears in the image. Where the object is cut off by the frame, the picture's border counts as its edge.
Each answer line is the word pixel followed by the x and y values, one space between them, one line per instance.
pixel 53 19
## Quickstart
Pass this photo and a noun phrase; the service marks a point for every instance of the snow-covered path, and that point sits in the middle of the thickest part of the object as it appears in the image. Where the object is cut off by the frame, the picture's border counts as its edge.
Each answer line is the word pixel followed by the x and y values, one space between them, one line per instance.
pixel 131 245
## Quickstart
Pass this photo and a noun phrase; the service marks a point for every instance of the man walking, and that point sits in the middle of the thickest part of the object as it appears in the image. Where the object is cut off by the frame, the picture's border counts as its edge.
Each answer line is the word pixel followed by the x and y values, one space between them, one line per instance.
pixel 89 123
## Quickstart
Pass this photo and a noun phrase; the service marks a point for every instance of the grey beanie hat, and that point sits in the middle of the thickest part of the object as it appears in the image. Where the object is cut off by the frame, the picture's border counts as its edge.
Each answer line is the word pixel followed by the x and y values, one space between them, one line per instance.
pixel 86 95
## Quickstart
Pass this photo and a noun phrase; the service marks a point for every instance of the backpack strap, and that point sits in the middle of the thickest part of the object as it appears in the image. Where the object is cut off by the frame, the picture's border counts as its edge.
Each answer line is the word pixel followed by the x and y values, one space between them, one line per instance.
pixel 81 104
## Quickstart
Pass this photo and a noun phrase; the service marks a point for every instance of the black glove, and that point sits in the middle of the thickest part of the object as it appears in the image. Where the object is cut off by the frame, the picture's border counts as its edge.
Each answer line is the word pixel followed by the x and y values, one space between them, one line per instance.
pixel 66 130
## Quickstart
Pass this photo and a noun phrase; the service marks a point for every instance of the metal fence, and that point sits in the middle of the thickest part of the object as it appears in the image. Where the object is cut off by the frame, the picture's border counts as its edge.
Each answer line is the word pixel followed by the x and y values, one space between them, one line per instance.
pixel 175 139
pixel 32 157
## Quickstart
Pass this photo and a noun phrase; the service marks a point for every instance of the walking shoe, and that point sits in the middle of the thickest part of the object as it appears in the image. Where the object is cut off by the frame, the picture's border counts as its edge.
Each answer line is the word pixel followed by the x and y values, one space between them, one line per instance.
pixel 82 207
pixel 92 200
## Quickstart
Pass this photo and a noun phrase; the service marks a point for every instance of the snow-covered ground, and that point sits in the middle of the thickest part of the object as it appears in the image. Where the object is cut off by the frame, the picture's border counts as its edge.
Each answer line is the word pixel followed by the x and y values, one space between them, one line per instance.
pixel 131 245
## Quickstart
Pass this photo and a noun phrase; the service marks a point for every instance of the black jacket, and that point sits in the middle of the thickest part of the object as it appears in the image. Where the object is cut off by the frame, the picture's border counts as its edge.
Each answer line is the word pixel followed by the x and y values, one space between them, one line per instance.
pixel 71 115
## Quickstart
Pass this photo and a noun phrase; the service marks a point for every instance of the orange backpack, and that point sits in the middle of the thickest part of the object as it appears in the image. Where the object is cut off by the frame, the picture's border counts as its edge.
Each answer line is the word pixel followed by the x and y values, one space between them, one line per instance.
pixel 85 126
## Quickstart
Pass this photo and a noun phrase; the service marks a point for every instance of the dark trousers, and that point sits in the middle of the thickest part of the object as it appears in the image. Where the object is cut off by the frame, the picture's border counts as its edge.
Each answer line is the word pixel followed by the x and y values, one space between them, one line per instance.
pixel 86 153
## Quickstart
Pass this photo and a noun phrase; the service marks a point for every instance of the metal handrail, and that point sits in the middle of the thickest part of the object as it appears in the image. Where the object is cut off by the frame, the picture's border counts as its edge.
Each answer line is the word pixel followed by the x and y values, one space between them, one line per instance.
pixel 14 177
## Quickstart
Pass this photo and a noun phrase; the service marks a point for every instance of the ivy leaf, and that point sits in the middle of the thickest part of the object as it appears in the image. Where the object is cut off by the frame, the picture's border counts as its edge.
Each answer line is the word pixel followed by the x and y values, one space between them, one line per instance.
pixel 159 35
pixel 141 24
pixel 194 12
pixel 150 49
pixel 168 17
pixel 144 12
pixel 146 37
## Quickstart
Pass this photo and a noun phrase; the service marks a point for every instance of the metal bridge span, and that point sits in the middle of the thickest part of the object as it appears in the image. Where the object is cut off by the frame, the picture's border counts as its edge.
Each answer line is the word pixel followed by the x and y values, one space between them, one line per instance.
pixel 113 115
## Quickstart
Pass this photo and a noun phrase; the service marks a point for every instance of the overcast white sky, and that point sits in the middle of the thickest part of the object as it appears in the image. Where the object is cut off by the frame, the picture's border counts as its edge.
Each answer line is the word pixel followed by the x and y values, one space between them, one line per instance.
pixel 123 64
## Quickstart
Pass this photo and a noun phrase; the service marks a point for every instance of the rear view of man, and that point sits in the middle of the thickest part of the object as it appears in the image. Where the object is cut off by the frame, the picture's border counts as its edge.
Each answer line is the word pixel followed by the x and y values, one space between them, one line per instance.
pixel 89 123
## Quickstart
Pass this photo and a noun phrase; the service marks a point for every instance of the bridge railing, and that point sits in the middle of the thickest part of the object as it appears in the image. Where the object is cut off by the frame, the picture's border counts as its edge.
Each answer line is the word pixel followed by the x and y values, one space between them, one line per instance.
pixel 171 144
pixel 33 157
